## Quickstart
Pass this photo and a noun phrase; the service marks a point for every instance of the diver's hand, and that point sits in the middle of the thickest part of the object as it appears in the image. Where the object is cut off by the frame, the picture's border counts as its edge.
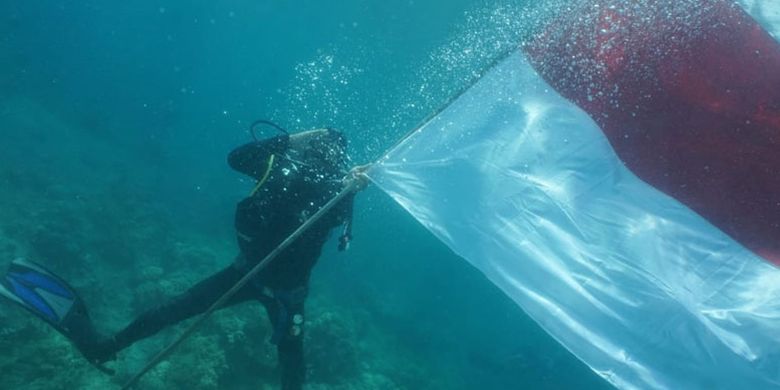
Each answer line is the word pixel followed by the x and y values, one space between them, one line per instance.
pixel 358 175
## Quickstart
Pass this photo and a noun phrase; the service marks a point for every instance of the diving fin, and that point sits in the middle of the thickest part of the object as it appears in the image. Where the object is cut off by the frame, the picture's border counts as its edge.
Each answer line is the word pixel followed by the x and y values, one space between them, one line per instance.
pixel 51 299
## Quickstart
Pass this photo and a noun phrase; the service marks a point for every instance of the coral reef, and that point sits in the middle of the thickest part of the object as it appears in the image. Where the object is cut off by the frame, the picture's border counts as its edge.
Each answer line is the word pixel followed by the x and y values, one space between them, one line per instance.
pixel 331 348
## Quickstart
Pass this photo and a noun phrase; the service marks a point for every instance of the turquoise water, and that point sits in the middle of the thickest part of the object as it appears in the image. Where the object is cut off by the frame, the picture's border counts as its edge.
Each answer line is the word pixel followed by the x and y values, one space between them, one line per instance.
pixel 116 120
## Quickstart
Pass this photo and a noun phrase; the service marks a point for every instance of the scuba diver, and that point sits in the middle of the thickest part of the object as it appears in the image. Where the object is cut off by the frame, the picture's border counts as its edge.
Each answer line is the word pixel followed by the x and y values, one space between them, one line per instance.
pixel 296 174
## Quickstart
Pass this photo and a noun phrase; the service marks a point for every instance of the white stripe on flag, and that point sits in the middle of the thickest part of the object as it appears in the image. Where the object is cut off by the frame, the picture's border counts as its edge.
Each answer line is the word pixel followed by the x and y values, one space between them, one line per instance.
pixel 766 12
pixel 524 185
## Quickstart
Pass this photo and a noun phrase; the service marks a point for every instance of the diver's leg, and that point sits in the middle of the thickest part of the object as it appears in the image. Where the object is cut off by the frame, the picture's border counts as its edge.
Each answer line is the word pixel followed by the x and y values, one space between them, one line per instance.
pixel 290 352
pixel 194 301
pixel 287 319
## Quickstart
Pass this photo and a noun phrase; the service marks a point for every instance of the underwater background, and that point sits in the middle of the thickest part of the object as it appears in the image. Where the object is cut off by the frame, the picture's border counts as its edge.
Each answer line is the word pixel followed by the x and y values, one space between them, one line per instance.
pixel 115 122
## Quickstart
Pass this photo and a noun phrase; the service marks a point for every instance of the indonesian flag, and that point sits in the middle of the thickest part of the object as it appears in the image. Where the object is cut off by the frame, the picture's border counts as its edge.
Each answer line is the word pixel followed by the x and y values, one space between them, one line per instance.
pixel 619 178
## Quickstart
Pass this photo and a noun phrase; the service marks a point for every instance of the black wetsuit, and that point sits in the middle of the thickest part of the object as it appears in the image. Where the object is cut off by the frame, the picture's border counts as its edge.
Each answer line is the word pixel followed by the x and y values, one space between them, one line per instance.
pixel 292 186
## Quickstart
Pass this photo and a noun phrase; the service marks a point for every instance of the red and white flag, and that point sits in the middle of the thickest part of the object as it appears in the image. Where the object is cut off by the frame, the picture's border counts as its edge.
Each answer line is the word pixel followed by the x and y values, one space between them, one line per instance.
pixel 619 178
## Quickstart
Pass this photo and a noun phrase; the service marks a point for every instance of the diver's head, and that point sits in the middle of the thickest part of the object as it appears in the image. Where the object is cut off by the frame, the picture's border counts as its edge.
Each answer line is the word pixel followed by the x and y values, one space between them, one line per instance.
pixel 321 150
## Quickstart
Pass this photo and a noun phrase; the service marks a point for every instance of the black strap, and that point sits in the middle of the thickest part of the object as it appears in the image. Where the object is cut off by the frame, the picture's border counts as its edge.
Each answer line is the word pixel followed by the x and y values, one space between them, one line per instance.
pixel 346 233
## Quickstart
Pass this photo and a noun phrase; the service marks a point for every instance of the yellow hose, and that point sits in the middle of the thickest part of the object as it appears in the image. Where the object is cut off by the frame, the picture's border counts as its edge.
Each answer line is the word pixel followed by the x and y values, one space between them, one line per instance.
pixel 265 176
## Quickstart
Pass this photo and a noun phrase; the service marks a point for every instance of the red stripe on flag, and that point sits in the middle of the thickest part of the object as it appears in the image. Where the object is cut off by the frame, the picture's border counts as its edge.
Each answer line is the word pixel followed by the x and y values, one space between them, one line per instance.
pixel 688 94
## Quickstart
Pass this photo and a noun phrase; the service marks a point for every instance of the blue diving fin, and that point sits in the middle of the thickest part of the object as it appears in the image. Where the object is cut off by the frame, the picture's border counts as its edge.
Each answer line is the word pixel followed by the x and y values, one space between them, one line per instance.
pixel 51 299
